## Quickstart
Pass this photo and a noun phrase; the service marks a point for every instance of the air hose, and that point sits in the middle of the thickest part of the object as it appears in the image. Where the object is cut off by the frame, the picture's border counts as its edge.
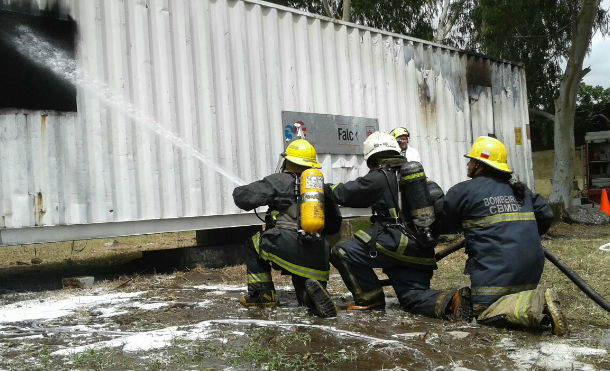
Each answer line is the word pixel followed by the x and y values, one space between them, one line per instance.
pixel 579 282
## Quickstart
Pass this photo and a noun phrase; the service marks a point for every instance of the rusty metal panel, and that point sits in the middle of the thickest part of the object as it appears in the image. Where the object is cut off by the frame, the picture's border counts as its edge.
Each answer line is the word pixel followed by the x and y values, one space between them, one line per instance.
pixel 218 74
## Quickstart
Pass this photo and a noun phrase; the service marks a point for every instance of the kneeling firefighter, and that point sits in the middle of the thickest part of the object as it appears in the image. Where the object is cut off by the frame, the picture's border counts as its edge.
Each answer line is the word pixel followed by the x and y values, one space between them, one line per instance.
pixel 292 245
pixel 401 243
pixel 502 222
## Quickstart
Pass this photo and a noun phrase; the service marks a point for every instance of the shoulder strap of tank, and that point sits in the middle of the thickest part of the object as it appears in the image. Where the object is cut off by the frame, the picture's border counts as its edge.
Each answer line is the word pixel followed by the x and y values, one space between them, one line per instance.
pixel 377 220
pixel 399 222
pixel 394 196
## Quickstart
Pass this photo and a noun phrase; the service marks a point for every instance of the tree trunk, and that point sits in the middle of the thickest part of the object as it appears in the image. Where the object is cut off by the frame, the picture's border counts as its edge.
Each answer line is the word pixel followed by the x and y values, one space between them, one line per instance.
pixel 442 29
pixel 347 11
pixel 448 17
pixel 565 105
pixel 330 12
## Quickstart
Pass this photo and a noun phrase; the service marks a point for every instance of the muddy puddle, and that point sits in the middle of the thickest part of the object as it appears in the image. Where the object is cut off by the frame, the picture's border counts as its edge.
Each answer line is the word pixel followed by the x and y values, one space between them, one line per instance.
pixel 189 321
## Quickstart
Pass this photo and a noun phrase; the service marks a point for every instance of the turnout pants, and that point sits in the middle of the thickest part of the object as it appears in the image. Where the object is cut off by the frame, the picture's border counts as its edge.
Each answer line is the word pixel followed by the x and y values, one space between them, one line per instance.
pixel 412 286
pixel 521 310
pixel 280 249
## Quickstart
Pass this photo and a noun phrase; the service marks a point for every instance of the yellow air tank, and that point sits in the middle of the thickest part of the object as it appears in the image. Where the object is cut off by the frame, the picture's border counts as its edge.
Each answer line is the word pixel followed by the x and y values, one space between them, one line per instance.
pixel 312 201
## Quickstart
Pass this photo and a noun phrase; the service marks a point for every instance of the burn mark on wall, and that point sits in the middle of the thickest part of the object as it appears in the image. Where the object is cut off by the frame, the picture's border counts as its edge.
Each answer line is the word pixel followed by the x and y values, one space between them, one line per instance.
pixel 25 83
pixel 477 72
pixel 39 210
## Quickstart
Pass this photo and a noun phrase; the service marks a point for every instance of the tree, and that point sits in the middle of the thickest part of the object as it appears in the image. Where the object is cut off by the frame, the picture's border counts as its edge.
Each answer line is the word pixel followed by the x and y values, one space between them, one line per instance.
pixel 592 111
pixel 592 114
pixel 565 103
pixel 543 34
pixel 593 105
pixel 450 12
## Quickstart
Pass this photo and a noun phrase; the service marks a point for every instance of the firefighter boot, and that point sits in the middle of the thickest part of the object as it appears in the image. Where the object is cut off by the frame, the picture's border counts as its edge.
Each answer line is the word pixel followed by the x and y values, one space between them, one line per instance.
pixel 374 299
pixel 261 298
pixel 559 324
pixel 318 299
pixel 460 307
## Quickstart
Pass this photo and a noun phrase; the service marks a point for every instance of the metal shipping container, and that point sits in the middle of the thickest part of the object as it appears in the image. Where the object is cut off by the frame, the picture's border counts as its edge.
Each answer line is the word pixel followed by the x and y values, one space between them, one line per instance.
pixel 215 77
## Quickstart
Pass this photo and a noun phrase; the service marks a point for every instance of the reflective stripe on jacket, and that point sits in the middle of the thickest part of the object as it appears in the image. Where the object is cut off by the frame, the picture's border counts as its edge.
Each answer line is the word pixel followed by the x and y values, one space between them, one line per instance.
pixel 281 245
pixel 379 192
pixel 502 235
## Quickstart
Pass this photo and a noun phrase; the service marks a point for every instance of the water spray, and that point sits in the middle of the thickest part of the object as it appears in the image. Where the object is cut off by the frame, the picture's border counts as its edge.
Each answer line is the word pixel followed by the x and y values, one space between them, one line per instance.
pixel 38 50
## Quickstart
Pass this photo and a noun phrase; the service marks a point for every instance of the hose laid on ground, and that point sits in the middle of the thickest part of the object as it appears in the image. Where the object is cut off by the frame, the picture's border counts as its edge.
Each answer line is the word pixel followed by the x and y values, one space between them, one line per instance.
pixel 582 285
pixel 579 282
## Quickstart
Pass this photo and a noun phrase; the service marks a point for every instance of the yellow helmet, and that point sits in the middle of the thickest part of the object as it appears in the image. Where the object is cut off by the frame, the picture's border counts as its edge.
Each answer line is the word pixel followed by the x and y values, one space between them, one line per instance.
pixel 489 151
pixel 301 152
pixel 400 131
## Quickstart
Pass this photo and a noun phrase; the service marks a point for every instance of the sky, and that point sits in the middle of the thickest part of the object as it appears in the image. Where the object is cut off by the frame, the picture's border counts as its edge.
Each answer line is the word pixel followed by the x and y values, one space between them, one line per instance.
pixel 599 58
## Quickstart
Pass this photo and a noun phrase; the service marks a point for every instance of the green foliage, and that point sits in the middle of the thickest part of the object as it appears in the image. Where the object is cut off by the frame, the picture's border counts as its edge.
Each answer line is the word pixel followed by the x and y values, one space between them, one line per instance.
pixel 590 97
pixel 404 17
pixel 592 111
pixel 409 17
pixel 538 34
pixel 592 114
pixel 534 32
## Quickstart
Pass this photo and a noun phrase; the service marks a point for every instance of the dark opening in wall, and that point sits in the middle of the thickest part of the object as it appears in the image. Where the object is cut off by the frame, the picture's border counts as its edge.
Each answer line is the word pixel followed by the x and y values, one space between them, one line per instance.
pixel 24 83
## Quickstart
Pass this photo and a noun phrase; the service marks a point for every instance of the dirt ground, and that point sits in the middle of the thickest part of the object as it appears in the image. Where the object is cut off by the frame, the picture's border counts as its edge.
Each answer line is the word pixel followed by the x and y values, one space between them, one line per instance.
pixel 135 317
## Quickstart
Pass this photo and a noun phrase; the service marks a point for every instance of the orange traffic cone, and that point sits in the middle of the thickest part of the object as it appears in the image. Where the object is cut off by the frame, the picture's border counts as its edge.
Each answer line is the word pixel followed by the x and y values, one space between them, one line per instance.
pixel 604 204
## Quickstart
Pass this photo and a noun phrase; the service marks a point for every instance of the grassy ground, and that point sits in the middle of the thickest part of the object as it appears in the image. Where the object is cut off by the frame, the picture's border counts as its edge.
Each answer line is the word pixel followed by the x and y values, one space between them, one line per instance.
pixel 101 251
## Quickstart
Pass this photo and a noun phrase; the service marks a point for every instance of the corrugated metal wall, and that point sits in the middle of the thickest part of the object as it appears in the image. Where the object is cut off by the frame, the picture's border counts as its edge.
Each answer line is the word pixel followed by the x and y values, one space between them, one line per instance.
pixel 218 74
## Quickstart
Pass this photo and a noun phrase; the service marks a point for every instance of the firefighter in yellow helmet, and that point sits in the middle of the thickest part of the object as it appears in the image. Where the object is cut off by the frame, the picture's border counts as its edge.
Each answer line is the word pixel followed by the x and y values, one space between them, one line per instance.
pixel 280 245
pixel 502 222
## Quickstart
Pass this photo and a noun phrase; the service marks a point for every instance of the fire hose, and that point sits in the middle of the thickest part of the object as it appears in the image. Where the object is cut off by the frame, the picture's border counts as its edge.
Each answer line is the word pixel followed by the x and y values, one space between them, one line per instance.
pixel 573 276
pixel 582 285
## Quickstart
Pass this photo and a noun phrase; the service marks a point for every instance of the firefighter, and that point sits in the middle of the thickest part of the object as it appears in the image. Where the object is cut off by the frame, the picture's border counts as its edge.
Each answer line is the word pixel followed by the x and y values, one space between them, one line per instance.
pixel 402 138
pixel 387 244
pixel 502 222
pixel 281 246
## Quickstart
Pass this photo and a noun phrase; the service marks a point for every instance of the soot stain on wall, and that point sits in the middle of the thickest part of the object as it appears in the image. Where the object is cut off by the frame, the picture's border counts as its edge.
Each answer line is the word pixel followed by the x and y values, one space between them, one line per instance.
pixel 25 84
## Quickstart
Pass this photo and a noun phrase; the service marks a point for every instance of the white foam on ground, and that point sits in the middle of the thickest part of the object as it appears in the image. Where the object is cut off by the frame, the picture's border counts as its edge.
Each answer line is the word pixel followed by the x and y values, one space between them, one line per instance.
pixel 161 338
pixel 203 303
pixel 233 288
pixel 141 341
pixel 111 312
pixel 330 329
pixel 217 292
pixel 30 310
pixel 149 306
pixel 553 356
pixel 410 335
pixel 220 287
pixel 145 341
